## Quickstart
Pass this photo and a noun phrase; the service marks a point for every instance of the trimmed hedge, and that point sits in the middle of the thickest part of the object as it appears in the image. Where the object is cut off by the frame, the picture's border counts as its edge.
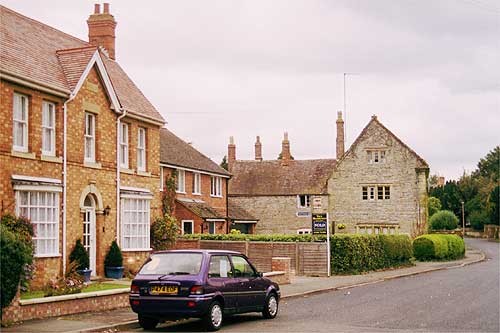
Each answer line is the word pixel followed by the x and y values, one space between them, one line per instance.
pixel 255 238
pixel 360 253
pixel 437 246
pixel 443 220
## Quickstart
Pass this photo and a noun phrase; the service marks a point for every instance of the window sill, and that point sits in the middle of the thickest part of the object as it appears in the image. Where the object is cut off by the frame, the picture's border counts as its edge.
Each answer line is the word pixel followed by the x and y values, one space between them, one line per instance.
pixel 143 173
pixel 196 194
pixel 216 196
pixel 137 250
pixel 92 165
pixel 30 156
pixel 53 159
pixel 180 192
pixel 128 171
pixel 42 256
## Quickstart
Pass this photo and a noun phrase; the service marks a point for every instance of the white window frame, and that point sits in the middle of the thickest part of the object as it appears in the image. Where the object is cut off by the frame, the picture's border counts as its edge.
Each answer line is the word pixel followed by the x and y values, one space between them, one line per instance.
pixel 20 105
pixel 196 183
pixel 180 181
pixel 124 145
pixel 141 149
pixel 46 230
pixel 216 186
pixel 373 192
pixel 376 156
pixel 135 223
pixel 307 202
pixel 89 136
pixel 187 221
pixel 49 113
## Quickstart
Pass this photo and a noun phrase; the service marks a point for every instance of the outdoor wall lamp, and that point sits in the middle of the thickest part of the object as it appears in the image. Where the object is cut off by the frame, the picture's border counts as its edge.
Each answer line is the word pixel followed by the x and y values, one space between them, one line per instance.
pixel 107 210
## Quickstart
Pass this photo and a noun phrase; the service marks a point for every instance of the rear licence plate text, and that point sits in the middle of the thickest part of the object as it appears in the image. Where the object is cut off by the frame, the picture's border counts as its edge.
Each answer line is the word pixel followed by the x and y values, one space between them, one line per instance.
pixel 163 290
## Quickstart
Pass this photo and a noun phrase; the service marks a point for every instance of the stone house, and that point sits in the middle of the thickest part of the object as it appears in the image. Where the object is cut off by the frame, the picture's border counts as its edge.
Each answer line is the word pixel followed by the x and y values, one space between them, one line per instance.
pixel 282 193
pixel 378 186
pixel 201 204
pixel 79 143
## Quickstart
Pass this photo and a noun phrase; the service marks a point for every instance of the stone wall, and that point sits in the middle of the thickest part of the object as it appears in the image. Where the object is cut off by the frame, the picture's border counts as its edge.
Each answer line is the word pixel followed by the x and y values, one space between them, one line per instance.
pixel 406 208
pixel 278 214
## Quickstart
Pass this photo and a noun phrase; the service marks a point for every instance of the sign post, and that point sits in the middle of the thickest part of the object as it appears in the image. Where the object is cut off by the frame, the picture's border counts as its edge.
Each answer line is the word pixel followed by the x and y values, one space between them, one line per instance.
pixel 321 226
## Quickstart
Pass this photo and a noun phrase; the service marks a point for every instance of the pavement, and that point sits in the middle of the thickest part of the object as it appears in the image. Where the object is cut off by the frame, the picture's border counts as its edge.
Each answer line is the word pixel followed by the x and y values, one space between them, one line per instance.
pixel 301 286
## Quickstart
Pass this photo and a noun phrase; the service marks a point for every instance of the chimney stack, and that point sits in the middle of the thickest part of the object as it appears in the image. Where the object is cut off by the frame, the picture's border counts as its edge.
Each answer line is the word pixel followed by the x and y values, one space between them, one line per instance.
pixel 231 153
pixel 340 135
pixel 285 150
pixel 102 29
pixel 258 149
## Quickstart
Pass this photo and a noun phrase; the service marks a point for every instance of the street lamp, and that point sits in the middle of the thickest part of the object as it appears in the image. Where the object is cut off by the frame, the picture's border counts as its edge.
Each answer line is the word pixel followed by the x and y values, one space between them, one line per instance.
pixel 463 219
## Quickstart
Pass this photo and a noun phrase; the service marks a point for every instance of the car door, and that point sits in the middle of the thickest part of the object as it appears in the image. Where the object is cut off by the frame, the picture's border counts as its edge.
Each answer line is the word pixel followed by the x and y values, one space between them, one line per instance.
pixel 220 278
pixel 251 293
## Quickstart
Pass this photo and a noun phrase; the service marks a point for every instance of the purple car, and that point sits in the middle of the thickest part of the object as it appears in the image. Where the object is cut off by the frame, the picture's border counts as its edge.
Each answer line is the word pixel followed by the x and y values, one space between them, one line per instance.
pixel 207 284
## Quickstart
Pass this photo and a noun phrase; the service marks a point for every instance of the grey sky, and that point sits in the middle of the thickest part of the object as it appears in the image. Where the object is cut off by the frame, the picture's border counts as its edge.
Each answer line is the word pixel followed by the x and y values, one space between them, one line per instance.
pixel 428 69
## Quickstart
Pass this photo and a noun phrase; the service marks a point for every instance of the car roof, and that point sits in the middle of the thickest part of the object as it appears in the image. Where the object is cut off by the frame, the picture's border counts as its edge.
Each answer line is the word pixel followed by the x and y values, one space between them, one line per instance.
pixel 198 251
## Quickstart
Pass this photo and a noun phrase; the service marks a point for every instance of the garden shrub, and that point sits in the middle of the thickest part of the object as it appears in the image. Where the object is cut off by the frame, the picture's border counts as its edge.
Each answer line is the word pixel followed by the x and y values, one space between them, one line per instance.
pixel 163 232
pixel 70 283
pixel 14 255
pixel 114 257
pixel 438 247
pixel 443 220
pixel 80 256
pixel 478 219
pixel 256 238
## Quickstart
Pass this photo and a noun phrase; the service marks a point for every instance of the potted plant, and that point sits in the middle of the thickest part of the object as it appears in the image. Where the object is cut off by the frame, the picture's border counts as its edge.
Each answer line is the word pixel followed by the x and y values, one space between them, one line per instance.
pixel 113 263
pixel 80 256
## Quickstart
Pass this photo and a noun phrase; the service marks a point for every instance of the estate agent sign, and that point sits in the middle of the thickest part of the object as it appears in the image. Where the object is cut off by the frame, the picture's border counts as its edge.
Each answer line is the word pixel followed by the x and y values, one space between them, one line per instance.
pixel 319 224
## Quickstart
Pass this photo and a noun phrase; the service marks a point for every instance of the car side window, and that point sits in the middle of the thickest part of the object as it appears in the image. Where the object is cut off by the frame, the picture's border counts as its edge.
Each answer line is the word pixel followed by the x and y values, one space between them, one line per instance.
pixel 220 267
pixel 242 267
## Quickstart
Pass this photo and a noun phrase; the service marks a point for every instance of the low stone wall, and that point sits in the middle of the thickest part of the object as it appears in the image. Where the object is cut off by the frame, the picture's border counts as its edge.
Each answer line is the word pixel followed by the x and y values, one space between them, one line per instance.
pixel 39 308
pixel 492 231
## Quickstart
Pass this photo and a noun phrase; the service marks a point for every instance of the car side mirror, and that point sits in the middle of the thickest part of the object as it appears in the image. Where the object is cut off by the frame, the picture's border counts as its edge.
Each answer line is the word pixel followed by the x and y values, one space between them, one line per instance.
pixel 259 274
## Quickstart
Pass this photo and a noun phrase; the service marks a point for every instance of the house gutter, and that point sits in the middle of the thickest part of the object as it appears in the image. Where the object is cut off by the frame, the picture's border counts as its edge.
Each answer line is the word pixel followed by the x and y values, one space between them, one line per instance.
pixel 118 167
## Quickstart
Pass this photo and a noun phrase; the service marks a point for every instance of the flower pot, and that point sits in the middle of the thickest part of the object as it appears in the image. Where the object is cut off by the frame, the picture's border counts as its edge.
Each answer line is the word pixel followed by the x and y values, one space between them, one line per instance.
pixel 114 272
pixel 85 273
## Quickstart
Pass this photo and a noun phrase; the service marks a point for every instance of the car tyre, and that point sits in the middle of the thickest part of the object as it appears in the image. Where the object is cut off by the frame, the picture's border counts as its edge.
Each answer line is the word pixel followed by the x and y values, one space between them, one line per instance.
pixel 213 318
pixel 270 307
pixel 148 323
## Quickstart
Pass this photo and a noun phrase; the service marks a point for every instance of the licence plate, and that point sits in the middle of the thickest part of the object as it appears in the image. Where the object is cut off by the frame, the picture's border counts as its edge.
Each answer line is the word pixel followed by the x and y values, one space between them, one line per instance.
pixel 163 290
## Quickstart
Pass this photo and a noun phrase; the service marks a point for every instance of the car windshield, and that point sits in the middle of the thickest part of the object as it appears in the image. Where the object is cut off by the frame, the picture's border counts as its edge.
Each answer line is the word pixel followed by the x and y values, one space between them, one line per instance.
pixel 180 263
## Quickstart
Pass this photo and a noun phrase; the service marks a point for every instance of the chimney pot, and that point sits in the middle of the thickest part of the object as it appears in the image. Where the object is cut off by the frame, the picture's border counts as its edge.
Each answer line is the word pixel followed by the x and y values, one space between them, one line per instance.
pixel 102 29
pixel 106 8
pixel 97 8
pixel 340 144
pixel 258 149
pixel 285 150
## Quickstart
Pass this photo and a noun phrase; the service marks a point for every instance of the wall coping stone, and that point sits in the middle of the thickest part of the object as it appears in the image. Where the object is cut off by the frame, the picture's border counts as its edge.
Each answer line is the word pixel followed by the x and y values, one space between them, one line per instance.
pixel 73 296
pixel 274 273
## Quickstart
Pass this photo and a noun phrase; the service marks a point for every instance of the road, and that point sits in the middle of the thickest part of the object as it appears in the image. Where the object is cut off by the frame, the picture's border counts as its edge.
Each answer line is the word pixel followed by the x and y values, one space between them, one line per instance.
pixel 464 299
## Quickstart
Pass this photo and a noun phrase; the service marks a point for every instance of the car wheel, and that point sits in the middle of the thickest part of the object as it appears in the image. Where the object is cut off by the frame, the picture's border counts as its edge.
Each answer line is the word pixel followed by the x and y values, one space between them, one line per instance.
pixel 213 317
pixel 270 307
pixel 148 323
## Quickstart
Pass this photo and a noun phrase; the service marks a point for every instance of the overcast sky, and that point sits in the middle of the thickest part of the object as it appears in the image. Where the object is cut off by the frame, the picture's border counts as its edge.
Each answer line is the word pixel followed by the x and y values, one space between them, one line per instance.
pixel 430 71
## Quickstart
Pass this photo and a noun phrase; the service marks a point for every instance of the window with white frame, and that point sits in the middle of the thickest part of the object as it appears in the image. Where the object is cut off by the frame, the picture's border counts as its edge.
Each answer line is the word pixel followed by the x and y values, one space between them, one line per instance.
pixel 42 208
pixel 383 192
pixel 187 227
pixel 48 128
pixel 124 145
pixel 216 186
pixel 180 181
pixel 20 125
pixel 141 149
pixel 89 137
pixel 135 221
pixel 196 183
pixel 303 201
pixel 376 156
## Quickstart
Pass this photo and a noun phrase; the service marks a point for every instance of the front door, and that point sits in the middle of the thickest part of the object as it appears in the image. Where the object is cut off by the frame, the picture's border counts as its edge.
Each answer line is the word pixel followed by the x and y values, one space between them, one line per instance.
pixel 89 236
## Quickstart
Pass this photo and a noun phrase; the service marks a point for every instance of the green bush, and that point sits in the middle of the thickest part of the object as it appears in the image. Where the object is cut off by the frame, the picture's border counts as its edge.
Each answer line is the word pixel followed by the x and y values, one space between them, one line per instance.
pixel 358 253
pixel 478 219
pixel 163 232
pixel 114 256
pixel 256 238
pixel 443 220
pixel 438 247
pixel 14 255
pixel 433 205
pixel 80 256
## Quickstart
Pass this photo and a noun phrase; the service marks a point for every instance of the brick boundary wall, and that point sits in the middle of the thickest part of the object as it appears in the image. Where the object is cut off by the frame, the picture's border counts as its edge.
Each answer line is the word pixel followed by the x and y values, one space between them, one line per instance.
pixel 308 259
pixel 17 312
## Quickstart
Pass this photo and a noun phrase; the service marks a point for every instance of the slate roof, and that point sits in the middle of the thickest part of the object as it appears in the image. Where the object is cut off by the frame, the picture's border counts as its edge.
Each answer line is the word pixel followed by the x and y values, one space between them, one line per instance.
pixel 251 178
pixel 39 53
pixel 175 151
pixel 201 209
pixel 236 212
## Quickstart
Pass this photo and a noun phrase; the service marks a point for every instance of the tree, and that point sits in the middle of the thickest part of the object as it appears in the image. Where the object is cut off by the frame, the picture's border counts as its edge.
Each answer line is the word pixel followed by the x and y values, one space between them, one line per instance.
pixel 443 220
pixel 164 229
pixel 495 206
pixel 433 205
pixel 489 166
pixel 223 164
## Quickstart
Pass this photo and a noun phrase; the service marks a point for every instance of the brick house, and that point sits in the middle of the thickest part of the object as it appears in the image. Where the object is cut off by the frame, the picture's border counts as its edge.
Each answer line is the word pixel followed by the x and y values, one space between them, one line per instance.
pixel 282 193
pixel 79 143
pixel 378 186
pixel 201 204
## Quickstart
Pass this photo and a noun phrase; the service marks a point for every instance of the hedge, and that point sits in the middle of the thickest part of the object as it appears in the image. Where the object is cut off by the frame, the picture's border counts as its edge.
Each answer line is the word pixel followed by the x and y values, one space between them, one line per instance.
pixel 443 220
pixel 360 253
pixel 437 246
pixel 255 238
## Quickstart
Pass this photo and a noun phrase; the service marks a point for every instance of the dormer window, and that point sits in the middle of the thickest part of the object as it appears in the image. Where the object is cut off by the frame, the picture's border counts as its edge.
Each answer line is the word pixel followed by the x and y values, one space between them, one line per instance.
pixel 376 156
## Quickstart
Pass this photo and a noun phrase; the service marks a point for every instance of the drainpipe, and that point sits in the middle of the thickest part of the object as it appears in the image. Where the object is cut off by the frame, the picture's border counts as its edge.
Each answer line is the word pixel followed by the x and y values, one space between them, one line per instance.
pixel 65 174
pixel 118 124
